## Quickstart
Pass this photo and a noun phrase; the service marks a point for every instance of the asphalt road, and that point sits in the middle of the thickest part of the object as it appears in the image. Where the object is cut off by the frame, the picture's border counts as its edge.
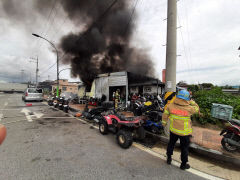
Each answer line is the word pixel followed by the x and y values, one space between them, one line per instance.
pixel 65 148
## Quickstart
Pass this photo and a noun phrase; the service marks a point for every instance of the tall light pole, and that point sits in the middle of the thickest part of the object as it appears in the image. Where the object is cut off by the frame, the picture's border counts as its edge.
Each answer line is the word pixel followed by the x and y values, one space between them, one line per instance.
pixel 63 70
pixel 36 35
pixel 171 46
pixel 36 61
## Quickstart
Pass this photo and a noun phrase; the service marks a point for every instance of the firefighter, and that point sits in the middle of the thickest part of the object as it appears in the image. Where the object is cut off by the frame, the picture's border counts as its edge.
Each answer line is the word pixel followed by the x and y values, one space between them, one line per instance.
pixel 169 98
pixel 179 113
pixel 117 98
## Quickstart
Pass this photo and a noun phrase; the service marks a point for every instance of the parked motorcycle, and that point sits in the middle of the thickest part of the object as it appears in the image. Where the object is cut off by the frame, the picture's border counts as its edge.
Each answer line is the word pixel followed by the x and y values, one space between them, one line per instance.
pixel 60 103
pixel 231 136
pixel 66 105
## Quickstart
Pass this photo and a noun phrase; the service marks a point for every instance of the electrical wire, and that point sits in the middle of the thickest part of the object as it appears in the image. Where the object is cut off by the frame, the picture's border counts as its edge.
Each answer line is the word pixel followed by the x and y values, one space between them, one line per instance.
pixel 130 19
pixel 46 23
pixel 184 47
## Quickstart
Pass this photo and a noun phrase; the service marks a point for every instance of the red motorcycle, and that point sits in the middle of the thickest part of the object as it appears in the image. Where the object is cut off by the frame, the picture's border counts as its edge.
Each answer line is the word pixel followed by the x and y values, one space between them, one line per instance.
pixel 231 136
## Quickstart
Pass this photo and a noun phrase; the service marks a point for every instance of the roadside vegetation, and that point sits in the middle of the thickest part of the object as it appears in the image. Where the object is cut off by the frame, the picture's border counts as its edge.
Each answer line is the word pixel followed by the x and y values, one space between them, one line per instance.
pixel 205 98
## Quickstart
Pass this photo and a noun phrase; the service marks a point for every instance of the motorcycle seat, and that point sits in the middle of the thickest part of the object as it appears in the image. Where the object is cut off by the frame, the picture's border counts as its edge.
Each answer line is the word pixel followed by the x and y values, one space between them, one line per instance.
pixel 123 118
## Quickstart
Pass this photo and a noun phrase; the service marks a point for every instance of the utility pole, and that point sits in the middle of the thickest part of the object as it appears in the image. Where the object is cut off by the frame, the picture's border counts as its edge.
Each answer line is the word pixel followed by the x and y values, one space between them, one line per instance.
pixel 36 61
pixel 171 54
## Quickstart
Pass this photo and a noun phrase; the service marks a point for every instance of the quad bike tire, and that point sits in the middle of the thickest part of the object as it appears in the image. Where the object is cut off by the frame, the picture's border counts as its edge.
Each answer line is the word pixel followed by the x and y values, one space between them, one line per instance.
pixel 103 127
pixel 155 130
pixel 124 138
pixel 226 146
pixel 141 133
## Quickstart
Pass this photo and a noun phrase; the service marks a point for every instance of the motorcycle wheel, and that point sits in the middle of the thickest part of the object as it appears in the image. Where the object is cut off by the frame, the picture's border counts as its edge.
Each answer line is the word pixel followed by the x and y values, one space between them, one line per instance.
pixel 65 110
pixel 155 130
pixel 227 146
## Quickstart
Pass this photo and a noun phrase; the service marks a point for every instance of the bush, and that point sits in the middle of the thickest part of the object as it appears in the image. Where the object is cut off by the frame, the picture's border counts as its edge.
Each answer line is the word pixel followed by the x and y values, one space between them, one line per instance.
pixel 205 98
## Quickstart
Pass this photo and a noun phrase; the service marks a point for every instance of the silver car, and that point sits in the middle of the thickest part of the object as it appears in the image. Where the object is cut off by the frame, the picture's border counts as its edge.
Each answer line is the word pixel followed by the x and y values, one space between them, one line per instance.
pixel 33 94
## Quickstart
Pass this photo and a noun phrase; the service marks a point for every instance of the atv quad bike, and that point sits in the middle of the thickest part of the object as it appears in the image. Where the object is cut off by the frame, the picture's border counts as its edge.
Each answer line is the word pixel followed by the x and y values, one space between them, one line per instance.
pixel 126 128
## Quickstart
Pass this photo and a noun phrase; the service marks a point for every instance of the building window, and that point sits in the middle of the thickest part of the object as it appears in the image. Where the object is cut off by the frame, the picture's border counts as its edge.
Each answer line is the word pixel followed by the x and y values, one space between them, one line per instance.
pixel 64 88
pixel 64 80
pixel 147 89
pixel 70 88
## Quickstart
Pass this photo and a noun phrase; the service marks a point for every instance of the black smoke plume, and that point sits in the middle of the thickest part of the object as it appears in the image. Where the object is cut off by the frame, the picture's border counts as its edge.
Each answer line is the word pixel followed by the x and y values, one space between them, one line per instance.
pixel 104 45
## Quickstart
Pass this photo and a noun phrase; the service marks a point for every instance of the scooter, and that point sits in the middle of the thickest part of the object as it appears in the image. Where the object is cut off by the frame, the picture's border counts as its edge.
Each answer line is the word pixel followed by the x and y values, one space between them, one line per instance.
pixel 231 136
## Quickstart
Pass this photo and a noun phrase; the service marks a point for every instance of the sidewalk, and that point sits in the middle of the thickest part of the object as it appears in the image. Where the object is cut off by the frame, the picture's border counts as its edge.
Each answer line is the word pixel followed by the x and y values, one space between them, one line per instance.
pixel 208 138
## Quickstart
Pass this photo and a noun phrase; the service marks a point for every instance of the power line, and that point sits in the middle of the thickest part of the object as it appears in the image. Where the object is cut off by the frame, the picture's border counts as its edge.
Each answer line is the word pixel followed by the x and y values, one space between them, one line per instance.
pixel 46 23
pixel 48 68
pixel 184 48
pixel 130 19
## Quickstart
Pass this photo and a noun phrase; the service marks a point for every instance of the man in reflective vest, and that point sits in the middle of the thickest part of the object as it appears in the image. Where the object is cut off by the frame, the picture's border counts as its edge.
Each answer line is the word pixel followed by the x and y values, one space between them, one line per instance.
pixel 179 113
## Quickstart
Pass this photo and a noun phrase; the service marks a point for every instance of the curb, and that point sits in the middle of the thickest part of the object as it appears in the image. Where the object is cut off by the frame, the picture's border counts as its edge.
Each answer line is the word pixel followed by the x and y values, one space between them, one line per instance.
pixel 199 150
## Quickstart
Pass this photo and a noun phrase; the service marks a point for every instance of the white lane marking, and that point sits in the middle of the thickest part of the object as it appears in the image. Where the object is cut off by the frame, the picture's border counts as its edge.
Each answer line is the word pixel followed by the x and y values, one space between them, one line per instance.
pixel 176 163
pixel 38 115
pixel 1 116
pixel 26 112
pixel 6 103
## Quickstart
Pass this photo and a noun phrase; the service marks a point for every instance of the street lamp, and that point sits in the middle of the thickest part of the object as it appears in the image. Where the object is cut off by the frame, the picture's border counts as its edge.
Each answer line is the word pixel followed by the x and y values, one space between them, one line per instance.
pixel 36 35
pixel 63 70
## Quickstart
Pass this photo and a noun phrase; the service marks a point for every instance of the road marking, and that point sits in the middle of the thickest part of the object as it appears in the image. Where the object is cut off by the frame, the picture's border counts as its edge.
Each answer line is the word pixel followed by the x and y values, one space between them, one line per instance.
pixel 26 112
pixel 6 103
pixel 1 116
pixel 176 163
pixel 38 115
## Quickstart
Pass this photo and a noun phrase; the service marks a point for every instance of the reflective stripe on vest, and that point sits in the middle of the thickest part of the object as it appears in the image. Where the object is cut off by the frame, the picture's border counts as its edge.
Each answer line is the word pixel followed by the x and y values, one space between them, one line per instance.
pixel 186 130
pixel 166 112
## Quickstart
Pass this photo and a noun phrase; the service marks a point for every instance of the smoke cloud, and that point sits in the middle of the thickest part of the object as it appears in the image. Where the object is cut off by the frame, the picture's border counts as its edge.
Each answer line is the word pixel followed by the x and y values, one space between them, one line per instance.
pixel 104 45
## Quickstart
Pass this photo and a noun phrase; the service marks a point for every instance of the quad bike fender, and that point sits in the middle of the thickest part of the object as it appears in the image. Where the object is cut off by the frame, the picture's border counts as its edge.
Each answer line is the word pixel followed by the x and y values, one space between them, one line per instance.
pixel 108 119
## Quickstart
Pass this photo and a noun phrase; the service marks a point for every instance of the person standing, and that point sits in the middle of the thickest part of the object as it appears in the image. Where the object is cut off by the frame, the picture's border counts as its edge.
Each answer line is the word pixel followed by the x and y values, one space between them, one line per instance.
pixel 179 113
pixel 117 98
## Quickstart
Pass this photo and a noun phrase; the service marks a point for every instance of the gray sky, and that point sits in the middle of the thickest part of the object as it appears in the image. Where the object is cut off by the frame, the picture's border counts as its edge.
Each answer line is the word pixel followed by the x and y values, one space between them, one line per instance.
pixel 207 40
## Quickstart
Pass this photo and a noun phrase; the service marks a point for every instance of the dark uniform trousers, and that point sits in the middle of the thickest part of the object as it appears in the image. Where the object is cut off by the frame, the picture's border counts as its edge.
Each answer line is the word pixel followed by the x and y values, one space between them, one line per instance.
pixel 184 143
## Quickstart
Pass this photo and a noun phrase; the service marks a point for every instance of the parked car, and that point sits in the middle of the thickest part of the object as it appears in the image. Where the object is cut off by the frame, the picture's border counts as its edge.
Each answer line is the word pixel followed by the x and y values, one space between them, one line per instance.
pixel 33 94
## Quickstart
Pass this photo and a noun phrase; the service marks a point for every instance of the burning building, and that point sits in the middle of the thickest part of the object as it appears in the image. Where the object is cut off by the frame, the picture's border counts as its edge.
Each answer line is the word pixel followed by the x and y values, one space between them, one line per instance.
pixel 127 82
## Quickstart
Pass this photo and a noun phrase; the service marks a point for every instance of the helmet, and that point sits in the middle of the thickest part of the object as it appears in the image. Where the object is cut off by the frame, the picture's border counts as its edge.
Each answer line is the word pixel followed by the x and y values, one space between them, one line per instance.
pixel 169 95
pixel 183 94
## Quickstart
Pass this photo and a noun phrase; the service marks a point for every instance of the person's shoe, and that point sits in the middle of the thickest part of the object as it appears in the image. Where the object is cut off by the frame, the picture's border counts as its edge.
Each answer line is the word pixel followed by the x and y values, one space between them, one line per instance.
pixel 169 160
pixel 184 166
